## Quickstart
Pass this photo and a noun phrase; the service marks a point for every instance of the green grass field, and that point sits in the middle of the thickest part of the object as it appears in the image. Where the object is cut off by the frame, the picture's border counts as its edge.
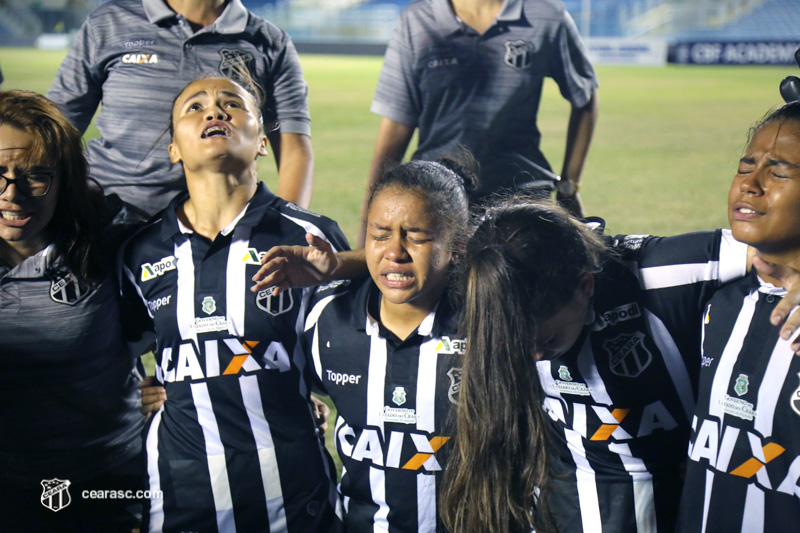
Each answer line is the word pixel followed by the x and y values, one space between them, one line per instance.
pixel 663 155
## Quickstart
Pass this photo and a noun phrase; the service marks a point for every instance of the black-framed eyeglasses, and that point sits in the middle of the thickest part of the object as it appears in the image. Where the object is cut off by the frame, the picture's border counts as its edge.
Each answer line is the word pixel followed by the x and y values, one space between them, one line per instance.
pixel 33 184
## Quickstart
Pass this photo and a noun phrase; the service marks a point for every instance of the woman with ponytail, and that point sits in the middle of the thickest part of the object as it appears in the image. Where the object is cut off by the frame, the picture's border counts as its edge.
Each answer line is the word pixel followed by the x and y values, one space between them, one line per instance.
pixel 604 333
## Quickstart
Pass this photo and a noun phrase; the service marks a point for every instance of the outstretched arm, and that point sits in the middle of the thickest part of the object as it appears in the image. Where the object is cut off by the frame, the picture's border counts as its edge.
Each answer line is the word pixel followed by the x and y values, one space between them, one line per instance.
pixel 285 267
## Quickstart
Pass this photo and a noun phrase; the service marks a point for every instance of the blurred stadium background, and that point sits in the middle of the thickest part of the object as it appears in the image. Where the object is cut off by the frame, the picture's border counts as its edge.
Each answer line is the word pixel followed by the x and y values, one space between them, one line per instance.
pixel 681 81
pixel 669 134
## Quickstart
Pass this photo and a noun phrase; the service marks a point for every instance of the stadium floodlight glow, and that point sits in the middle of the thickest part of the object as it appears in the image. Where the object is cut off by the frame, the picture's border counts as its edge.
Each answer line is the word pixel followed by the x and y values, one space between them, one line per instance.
pixel 790 86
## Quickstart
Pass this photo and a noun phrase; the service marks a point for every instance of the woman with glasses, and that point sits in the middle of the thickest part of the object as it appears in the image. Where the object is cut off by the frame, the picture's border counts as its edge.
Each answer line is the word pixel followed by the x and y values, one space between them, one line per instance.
pixel 69 421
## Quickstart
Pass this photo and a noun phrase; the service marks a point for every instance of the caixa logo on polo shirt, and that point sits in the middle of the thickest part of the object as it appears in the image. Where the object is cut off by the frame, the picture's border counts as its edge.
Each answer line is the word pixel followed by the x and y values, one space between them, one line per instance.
pixel 140 59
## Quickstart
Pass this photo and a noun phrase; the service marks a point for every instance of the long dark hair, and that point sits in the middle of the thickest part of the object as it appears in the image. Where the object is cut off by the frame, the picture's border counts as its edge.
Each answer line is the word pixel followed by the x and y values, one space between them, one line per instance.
pixel 77 221
pixel 522 265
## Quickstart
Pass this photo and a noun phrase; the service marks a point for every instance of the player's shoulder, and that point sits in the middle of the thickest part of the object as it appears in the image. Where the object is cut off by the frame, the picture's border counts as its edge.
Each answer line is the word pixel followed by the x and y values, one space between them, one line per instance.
pixel 544 9
pixel 333 304
pixel 258 25
pixel 310 220
pixel 117 8
pixel 143 242
pixel 418 9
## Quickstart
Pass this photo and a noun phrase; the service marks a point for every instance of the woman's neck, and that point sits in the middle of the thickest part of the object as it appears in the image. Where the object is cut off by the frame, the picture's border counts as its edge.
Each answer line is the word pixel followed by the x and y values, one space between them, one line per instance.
pixel 789 259
pixel 199 13
pixel 12 253
pixel 477 14
pixel 403 319
pixel 215 200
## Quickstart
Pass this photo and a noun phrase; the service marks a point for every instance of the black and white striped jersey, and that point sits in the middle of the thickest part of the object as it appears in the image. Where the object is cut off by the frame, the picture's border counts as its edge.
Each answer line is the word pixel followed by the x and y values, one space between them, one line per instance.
pixel 743 472
pixel 394 400
pixel 235 447
pixel 621 399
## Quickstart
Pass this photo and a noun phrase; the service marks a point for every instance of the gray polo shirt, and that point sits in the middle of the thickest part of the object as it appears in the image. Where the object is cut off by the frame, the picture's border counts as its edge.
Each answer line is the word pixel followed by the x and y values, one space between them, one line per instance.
pixel 483 91
pixel 67 382
pixel 135 56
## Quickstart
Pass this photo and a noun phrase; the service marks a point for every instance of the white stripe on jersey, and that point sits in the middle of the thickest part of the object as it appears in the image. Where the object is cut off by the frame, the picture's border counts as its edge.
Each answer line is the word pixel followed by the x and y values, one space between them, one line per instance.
pixel 707 498
pixel 215 456
pixel 732 258
pixel 753 515
pixel 673 361
pixel 587 488
pixel 310 228
pixel 235 280
pixel 375 404
pixel 722 376
pixel 316 311
pixel 662 277
pixel 266 453
pixel 426 503
pixel 185 304
pixel 547 380
pixel 377 375
pixel 377 486
pixel 588 369
pixel 643 498
pixel 156 500
pixel 426 387
pixel 777 369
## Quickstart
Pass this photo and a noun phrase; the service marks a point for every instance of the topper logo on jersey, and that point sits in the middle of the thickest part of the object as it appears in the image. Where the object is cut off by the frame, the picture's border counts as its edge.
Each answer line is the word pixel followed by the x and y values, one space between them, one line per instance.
pixel 158 303
pixel 628 356
pixel 654 417
pixel 66 288
pixel 451 346
pixel 232 356
pixel 274 305
pixel 154 270
pixel 519 54
pixel 371 445
pixel 718 450
pixel 140 59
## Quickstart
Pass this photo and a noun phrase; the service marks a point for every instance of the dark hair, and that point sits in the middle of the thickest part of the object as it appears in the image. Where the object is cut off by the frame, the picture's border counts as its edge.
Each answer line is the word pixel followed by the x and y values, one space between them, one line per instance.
pixel 522 264
pixel 240 75
pixel 77 221
pixel 447 185
pixel 787 112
